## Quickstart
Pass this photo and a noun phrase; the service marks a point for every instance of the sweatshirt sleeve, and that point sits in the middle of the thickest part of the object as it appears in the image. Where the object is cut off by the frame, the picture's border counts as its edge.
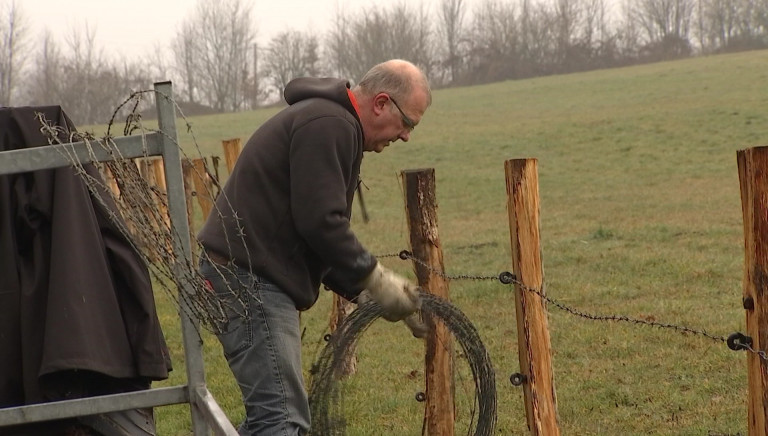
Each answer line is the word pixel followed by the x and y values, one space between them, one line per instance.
pixel 323 155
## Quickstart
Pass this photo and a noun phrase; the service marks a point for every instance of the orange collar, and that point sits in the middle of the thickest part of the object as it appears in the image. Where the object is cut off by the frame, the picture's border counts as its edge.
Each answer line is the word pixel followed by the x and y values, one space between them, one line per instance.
pixel 353 100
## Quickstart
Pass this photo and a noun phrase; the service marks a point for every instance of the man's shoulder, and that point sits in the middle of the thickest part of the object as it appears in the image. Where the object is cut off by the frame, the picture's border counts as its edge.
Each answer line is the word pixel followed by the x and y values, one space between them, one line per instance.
pixel 322 110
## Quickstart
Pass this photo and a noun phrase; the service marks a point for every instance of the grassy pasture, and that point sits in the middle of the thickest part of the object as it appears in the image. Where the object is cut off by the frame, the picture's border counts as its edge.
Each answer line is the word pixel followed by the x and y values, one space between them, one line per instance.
pixel 640 216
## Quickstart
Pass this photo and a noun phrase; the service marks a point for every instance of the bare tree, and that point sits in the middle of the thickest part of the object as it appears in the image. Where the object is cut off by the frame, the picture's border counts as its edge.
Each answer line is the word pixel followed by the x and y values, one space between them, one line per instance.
pixel 583 39
pixel 733 24
pixel 598 34
pixel 537 38
pixel 495 52
pixel 667 26
pixel 13 31
pixel 451 31
pixel 158 64
pixel 80 86
pixel 80 79
pixel 212 51
pixel 628 34
pixel 43 82
pixel 374 35
pixel 335 48
pixel 567 16
pixel 184 52
pixel 291 54
pixel 139 75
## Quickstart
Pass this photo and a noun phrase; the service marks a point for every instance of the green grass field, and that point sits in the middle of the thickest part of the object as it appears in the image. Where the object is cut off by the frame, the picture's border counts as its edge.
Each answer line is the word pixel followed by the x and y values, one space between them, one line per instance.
pixel 640 216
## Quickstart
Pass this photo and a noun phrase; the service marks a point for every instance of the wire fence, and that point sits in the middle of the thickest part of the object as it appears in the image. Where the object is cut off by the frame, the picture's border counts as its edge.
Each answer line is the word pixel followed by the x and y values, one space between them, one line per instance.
pixel 325 395
pixel 735 341
pixel 142 221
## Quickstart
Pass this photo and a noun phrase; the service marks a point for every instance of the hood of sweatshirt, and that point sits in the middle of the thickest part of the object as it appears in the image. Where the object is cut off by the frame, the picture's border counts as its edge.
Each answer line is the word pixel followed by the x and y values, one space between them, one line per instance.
pixel 303 88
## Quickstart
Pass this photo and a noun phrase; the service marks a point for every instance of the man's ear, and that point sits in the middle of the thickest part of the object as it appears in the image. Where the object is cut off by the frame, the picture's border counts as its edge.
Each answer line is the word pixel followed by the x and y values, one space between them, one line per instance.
pixel 380 102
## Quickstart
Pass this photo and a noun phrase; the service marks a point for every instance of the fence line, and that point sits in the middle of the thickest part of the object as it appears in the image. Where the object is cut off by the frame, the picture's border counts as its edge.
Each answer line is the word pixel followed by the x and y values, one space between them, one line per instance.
pixel 507 278
pixel 735 341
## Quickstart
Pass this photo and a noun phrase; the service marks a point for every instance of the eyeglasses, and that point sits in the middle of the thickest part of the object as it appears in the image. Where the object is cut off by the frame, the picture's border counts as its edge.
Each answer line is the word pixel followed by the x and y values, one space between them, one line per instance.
pixel 409 124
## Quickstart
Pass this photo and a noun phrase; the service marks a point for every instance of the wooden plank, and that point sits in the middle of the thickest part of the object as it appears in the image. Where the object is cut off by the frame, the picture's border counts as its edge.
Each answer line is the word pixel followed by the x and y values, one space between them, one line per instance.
pixel 753 180
pixel 421 211
pixel 532 330
pixel 231 152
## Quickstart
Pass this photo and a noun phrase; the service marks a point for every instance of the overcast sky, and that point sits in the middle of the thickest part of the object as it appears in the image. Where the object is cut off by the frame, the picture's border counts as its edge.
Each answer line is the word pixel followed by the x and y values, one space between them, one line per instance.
pixel 136 26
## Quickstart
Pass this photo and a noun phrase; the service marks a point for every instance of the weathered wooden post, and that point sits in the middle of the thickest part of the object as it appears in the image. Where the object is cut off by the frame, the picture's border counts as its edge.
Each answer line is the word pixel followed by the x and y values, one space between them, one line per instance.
pixel 532 332
pixel 421 212
pixel 215 176
pixel 231 152
pixel 159 178
pixel 753 179
pixel 144 166
pixel 188 175
pixel 111 182
pixel 203 186
pixel 340 309
pixel 158 169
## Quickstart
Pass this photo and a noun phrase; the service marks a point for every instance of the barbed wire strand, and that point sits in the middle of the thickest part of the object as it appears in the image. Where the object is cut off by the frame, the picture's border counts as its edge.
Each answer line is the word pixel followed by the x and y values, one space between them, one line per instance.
pixel 509 279
pixel 325 396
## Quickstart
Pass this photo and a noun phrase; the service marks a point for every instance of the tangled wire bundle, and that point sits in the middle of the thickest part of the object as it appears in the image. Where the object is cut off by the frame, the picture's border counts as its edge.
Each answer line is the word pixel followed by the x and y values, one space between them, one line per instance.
pixel 325 397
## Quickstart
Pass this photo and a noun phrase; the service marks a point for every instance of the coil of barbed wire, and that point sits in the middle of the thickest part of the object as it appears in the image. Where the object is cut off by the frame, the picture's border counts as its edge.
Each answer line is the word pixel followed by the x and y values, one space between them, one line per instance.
pixel 325 398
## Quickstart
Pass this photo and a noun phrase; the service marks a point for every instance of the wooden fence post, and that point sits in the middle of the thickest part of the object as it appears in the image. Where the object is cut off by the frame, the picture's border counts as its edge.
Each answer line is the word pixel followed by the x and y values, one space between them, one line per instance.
pixel 532 332
pixel 158 169
pixel 159 178
pixel 188 174
pixel 146 243
pixel 215 176
pixel 203 186
pixel 231 152
pixel 421 212
pixel 753 180
pixel 111 182
pixel 339 311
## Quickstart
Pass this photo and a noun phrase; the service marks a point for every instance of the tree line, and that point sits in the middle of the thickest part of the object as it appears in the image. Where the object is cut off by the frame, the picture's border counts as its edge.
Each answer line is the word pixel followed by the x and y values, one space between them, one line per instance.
pixel 217 66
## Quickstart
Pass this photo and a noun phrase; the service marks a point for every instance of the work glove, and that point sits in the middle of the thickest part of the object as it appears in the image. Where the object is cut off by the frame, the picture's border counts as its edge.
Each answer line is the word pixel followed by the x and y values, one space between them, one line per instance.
pixel 418 328
pixel 413 321
pixel 398 298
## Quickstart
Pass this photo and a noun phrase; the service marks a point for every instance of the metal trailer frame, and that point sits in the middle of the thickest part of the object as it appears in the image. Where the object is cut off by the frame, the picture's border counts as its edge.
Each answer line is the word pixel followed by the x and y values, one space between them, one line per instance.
pixel 206 413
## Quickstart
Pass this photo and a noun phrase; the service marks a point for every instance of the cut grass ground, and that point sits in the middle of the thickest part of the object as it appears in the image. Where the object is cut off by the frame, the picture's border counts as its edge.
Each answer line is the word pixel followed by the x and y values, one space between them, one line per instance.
pixel 640 216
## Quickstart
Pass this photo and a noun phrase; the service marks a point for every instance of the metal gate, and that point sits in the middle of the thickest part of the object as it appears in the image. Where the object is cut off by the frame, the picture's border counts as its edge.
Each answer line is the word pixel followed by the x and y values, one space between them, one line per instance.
pixel 206 413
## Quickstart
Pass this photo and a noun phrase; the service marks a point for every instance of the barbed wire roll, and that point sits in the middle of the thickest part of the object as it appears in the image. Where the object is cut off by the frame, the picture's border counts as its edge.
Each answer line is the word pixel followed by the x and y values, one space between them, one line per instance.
pixel 325 398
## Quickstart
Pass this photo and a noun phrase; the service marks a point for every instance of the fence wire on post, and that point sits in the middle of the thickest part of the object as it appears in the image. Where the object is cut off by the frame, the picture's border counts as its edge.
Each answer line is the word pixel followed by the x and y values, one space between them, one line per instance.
pixel 532 326
pixel 753 179
pixel 421 211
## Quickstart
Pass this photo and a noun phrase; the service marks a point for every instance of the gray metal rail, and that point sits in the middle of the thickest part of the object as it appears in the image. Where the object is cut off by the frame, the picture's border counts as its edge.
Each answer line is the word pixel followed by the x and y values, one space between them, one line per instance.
pixel 206 413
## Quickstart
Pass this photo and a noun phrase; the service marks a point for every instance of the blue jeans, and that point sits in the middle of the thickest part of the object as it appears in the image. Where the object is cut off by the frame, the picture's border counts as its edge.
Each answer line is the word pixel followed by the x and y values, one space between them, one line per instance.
pixel 262 344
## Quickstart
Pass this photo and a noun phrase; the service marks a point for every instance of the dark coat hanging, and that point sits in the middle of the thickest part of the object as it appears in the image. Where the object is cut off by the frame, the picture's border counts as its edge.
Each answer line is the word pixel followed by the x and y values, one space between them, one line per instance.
pixel 77 313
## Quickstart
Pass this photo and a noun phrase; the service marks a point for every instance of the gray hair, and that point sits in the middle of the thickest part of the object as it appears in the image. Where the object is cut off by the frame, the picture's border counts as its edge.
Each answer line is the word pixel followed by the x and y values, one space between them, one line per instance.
pixel 395 77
